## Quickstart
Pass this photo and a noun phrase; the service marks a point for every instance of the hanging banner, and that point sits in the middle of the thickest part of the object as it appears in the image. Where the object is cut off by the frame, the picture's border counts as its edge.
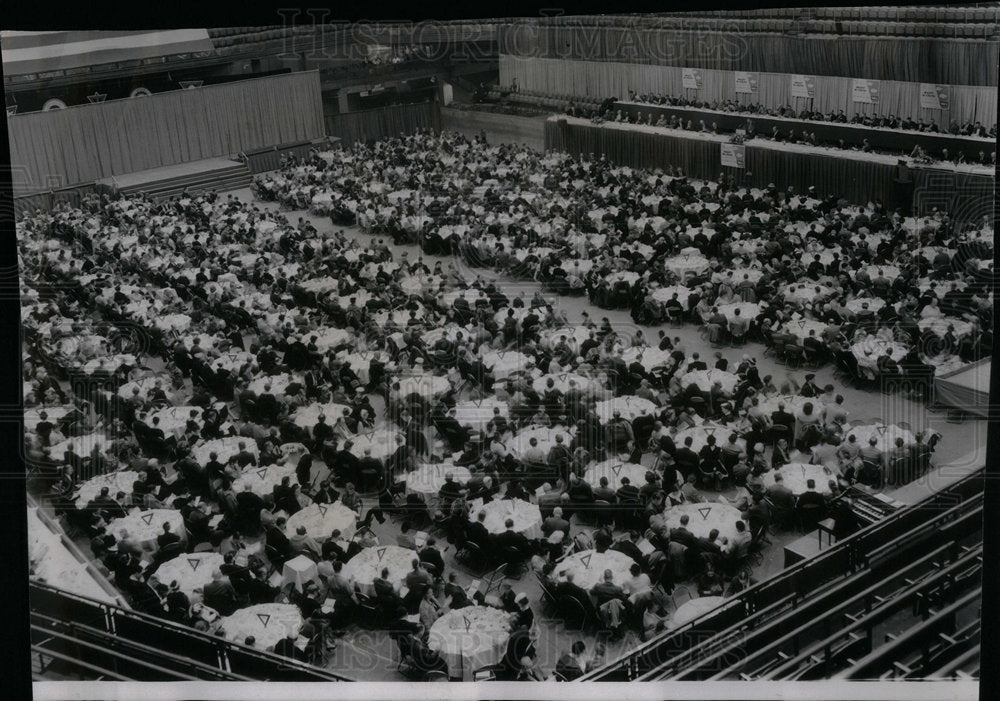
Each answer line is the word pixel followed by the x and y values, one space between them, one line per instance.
pixel 865 91
pixel 691 78
pixel 803 86
pixel 746 82
pixel 933 97
pixel 733 155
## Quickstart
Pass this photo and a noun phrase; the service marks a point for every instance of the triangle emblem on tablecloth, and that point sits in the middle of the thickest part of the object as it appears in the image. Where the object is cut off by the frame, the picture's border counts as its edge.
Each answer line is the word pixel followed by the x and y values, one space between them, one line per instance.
pixel 585 560
pixel 233 356
pixel 370 435
pixel 322 510
pixel 705 511
pixel 468 623
pixel 381 553
pixel 264 618
pixel 262 473
pixel 881 429
pixel 802 323
pixel 146 518
pixel 617 469
pixel 710 430
pixel 194 562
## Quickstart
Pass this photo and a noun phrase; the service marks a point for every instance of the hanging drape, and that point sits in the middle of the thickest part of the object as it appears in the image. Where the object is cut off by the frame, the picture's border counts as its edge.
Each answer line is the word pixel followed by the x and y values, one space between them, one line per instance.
pixel 90 142
pixel 601 79
pixel 918 60
pixel 965 196
pixel 384 122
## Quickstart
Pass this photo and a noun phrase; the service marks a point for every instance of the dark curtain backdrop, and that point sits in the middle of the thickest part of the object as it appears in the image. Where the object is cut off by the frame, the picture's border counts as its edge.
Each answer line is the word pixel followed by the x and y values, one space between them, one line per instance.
pixel 384 122
pixel 90 142
pixel 919 60
pixel 601 79
pixel 967 196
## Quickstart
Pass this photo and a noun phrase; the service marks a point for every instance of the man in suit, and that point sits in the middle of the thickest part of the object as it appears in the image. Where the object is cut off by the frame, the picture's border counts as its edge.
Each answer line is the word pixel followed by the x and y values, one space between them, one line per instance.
pixel 627 546
pixel 611 600
pixel 219 594
pixel 248 506
pixel 476 532
pixel 682 535
pixel 811 497
pixel 275 538
pixel 304 544
pixel 432 556
pixel 780 417
pixel 346 464
pixel 782 500
pixel 555 522
pixel 167 537
pixel 511 539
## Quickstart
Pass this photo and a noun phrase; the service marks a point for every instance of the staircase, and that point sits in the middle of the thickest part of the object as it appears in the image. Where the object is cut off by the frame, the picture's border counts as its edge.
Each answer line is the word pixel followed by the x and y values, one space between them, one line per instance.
pixel 232 177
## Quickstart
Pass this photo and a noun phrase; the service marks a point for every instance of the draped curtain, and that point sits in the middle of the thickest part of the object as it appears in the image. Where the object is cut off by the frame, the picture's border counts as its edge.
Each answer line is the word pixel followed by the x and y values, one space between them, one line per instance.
pixel 90 142
pixel 926 60
pixel 601 79
pixel 965 196
pixel 384 122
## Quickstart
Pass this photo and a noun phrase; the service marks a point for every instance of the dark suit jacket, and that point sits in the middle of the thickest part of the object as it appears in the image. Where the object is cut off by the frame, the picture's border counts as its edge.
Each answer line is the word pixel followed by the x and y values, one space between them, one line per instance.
pixel 511 539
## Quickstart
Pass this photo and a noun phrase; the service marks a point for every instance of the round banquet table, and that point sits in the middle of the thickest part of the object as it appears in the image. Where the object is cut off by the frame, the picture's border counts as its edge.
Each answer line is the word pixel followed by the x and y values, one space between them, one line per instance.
pixel 479 413
pixel 416 285
pixel 398 317
pixel 144 526
pixel 191 571
pixel 470 638
pixel 279 383
pixel 699 435
pixel 748 310
pixel 705 516
pixel 825 257
pixel 578 266
pixel 870 350
pixel 546 439
pixel 690 610
pixel 109 363
pixel 648 357
pixel 519 313
pixel 224 448
pixel 562 380
pixel 939 325
pixel 931 252
pixel 382 442
pixel 884 435
pixel 795 474
pixel 267 623
pixel 32 416
pixel 205 342
pixel 889 272
pixel 425 385
pixel 371 269
pixel 735 277
pixel 805 294
pixel 366 566
pixel 172 322
pixel 361 297
pixel 614 470
pixel 115 482
pixel 263 480
pixel 575 335
pixel 800 328
pixel 873 304
pixel 588 567
pixel 448 332
pixel 428 479
pixel 82 446
pixel 706 378
pixel 630 407
pixel 684 265
pixel 793 404
pixel 174 419
pixel 320 286
pixel 448 299
pixel 622 276
pixel 360 363
pixel 327 338
pixel 320 520
pixel 232 360
pixel 308 416
pixel 665 294
pixel 526 516
pixel 505 363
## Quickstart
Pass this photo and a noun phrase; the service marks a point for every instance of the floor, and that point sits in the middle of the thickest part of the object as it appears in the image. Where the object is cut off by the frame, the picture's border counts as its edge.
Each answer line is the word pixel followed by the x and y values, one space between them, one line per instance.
pixel 371 655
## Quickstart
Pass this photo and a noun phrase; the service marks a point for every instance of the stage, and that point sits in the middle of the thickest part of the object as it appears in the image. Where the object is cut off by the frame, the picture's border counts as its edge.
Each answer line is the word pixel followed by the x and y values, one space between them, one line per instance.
pixel 966 389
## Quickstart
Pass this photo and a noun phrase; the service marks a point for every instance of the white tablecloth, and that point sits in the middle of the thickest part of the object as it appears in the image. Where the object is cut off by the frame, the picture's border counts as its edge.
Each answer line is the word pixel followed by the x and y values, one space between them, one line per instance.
pixel 115 482
pixel 939 325
pixel 366 566
pixel 267 623
pixel 577 267
pixel 360 363
pixel 806 293
pixel 562 381
pixel 479 413
pixel 871 349
pixel 665 294
pixel 575 335
pixel 81 445
pixel 173 420
pixel 735 277
pixel 648 357
pixel 699 435
pixel 53 413
pixel 526 516
pixel 885 436
pixel 505 363
pixel 191 571
pixel 793 404
pixel 800 328
pixel 381 440
pixel 232 360
pixel 630 407
pixel 684 265
pixel 428 479
pixel 588 567
pixel 320 520
pixel 546 439
pixel 614 470
pixel 327 338
pixel 889 272
pixel 706 378
pixel 795 474
pixel 872 303
pixel 298 571
pixel 470 638
pixel 690 610
pixel 748 310
pixel 263 480
pixel 278 383
pixel 109 363
pixel 144 526
pixel 424 385
pixel 705 516
pixel 308 416
pixel 224 448
pixel 447 300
